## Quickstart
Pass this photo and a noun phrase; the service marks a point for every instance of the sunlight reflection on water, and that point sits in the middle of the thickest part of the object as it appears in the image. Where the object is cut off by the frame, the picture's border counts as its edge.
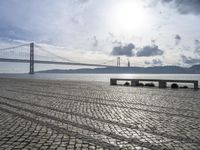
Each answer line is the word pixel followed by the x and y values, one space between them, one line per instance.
pixel 103 77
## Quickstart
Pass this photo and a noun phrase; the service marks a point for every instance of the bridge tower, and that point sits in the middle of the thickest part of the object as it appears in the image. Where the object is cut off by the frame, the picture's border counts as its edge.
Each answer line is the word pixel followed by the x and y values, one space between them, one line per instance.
pixel 129 65
pixel 118 61
pixel 31 58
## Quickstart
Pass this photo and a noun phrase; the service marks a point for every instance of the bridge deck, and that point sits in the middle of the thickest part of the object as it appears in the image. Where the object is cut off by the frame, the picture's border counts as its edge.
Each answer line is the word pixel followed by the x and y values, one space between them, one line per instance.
pixel 52 62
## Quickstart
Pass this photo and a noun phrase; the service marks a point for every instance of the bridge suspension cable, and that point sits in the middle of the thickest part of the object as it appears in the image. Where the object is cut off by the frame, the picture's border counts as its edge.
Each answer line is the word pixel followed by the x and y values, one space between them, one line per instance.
pixel 14 47
pixel 108 61
pixel 47 51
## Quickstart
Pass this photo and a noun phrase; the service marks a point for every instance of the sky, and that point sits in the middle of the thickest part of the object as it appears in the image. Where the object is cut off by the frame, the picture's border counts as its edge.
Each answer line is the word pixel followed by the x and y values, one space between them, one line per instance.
pixel 146 32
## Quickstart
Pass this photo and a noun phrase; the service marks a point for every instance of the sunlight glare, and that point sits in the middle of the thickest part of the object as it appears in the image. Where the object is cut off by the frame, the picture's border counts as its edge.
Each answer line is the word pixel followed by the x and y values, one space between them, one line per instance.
pixel 129 16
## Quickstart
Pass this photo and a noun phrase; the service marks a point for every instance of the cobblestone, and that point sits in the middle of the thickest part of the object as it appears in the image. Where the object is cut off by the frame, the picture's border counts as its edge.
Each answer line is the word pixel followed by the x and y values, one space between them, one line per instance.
pixel 39 114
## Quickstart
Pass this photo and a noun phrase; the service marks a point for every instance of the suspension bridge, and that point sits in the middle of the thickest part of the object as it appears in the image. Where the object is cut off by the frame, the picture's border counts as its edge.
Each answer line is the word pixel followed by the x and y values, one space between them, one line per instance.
pixel 35 54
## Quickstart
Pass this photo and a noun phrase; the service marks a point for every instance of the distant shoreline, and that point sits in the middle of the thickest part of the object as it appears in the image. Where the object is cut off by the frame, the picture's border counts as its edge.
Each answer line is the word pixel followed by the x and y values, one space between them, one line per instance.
pixel 112 73
pixel 131 70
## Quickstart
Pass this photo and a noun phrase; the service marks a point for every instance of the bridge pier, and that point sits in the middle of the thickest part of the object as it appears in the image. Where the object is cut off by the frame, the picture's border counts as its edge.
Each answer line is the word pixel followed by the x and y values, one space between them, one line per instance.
pixel 31 58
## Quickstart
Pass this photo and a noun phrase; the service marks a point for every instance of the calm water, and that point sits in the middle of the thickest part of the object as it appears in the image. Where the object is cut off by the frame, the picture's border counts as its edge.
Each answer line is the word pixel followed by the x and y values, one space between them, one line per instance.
pixel 103 77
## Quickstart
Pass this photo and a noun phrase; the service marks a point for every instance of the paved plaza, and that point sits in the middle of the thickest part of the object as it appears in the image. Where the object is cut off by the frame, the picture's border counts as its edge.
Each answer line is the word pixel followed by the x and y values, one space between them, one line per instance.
pixel 42 114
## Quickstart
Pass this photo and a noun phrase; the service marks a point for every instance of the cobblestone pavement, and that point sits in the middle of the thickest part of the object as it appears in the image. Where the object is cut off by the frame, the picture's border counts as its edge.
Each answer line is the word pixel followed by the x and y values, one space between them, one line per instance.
pixel 41 114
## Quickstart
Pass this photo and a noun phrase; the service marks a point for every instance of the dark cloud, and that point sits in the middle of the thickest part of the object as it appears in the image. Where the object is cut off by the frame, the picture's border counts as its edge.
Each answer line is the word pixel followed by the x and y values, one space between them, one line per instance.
pixel 177 39
pixel 153 41
pixel 147 62
pixel 129 50
pixel 123 50
pixel 197 42
pixel 185 6
pixel 148 51
pixel 167 1
pixel 116 42
pixel 157 62
pixel 190 60
pixel 154 62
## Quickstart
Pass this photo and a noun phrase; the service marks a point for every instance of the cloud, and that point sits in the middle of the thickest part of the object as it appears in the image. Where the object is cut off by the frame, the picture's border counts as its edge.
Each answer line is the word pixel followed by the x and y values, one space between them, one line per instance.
pixel 83 1
pixel 185 6
pixel 190 60
pixel 126 50
pixel 197 47
pixel 130 50
pixel 61 23
pixel 8 31
pixel 153 41
pixel 95 42
pixel 166 1
pixel 112 39
pixel 157 62
pixel 154 62
pixel 177 39
pixel 148 51
pixel 111 34
pixel 197 42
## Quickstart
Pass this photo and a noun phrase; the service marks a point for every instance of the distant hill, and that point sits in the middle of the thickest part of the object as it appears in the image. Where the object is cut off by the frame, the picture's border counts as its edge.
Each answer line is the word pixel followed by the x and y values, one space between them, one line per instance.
pixel 132 70
pixel 195 68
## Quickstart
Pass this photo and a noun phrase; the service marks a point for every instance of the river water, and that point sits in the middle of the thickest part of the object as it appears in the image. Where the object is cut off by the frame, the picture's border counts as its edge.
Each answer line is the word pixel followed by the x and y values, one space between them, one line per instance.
pixel 103 77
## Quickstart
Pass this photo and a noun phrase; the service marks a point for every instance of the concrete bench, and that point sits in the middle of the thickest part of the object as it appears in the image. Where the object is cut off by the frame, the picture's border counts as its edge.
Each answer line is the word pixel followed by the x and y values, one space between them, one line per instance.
pixel 161 83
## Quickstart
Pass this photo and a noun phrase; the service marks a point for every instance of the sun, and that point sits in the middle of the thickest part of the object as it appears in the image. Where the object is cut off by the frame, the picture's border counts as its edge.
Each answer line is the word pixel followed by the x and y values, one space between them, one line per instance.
pixel 129 16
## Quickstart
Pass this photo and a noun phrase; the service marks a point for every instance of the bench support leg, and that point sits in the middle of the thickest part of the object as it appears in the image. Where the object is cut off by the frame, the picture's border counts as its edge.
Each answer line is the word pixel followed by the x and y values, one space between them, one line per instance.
pixel 113 82
pixel 162 84
pixel 134 83
pixel 196 86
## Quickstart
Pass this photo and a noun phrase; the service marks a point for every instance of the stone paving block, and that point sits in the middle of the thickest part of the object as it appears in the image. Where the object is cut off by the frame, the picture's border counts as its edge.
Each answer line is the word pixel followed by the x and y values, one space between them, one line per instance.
pixel 80 115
